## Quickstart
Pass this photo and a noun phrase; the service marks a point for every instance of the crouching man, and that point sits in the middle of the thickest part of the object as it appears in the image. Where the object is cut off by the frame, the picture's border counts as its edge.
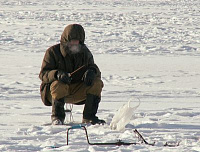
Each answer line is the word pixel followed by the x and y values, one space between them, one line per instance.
pixel 69 75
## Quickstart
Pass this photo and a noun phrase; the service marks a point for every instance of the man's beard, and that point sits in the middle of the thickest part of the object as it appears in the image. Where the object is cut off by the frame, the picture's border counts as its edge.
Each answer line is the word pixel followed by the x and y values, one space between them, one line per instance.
pixel 74 48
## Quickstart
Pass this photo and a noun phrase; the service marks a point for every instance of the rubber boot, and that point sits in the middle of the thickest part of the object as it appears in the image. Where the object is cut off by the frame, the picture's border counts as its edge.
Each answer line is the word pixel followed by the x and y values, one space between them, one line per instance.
pixel 90 110
pixel 58 112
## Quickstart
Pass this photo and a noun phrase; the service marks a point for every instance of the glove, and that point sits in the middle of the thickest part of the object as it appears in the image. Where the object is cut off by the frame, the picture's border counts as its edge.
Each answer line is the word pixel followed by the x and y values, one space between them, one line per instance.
pixel 63 77
pixel 89 77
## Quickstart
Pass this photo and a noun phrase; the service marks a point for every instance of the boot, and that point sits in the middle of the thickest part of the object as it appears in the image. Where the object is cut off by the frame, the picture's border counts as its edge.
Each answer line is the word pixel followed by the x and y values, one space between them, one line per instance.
pixel 90 110
pixel 58 112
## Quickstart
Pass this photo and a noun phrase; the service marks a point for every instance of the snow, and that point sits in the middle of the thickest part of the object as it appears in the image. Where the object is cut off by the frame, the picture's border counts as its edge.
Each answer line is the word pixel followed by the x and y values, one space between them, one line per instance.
pixel 146 49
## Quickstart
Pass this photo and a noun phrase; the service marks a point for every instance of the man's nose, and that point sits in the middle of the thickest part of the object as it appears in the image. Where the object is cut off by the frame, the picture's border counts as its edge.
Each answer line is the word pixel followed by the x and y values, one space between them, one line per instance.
pixel 74 42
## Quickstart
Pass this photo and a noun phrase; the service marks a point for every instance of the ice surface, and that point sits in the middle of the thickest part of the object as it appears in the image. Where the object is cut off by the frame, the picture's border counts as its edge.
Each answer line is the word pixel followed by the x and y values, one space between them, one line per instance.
pixel 147 49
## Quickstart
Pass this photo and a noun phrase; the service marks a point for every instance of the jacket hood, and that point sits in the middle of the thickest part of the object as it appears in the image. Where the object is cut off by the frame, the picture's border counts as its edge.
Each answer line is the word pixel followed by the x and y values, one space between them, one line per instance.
pixel 73 31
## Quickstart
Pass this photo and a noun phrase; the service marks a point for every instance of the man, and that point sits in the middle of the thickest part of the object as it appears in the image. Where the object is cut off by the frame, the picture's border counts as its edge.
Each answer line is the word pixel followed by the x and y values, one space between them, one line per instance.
pixel 69 74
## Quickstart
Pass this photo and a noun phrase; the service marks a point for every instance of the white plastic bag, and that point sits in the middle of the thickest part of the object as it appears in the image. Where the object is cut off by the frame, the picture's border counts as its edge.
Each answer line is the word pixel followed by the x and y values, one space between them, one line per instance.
pixel 123 116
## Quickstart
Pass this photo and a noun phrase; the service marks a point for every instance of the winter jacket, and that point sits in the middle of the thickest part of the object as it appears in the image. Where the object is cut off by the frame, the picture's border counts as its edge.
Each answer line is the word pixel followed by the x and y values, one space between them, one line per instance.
pixel 58 58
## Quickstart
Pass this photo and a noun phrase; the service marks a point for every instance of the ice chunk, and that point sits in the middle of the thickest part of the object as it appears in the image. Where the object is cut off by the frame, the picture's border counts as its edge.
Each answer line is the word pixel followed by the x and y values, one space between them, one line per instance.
pixel 123 116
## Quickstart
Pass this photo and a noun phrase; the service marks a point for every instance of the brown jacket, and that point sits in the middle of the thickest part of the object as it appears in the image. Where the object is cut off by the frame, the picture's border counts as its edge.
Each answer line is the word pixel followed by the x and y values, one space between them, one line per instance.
pixel 58 58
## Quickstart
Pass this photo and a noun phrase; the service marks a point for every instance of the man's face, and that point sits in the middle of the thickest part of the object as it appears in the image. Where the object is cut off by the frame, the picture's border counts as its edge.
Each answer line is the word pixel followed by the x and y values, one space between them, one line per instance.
pixel 74 46
pixel 73 42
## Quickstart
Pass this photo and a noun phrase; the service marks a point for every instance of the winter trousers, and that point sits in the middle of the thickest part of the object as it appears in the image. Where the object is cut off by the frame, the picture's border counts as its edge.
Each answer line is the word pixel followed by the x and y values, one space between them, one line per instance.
pixel 74 93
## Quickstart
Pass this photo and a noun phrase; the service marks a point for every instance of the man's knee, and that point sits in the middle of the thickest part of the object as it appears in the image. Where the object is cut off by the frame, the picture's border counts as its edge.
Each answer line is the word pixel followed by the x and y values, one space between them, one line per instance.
pixel 59 90
pixel 96 88
pixel 98 83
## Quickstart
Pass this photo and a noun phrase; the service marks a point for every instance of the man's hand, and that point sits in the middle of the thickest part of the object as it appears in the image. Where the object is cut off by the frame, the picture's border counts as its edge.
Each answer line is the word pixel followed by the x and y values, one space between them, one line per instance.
pixel 89 77
pixel 63 77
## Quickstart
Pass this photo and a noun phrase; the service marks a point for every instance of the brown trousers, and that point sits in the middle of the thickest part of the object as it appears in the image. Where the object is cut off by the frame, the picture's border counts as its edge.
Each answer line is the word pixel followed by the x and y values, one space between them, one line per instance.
pixel 74 93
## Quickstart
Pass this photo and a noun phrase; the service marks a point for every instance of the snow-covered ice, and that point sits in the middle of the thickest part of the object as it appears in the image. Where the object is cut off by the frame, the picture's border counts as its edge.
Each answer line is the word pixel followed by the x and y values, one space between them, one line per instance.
pixel 146 49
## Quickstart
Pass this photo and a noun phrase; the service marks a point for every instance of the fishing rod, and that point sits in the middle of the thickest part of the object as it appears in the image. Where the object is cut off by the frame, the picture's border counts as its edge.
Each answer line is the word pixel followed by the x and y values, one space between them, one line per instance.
pixel 119 142
pixel 70 74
